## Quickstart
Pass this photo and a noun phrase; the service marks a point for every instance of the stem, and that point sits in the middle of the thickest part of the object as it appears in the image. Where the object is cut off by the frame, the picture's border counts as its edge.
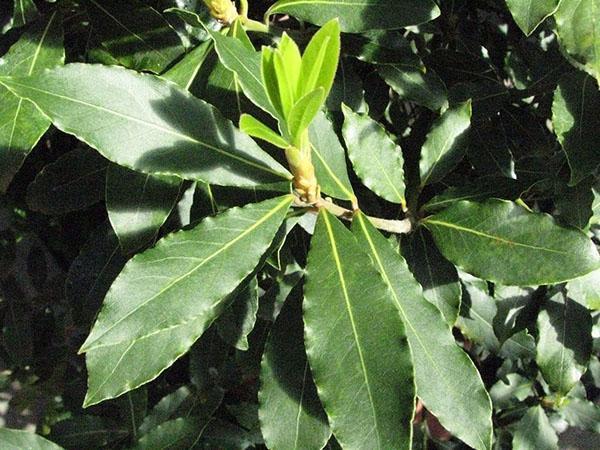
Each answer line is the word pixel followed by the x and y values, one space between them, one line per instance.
pixel 244 8
pixel 253 25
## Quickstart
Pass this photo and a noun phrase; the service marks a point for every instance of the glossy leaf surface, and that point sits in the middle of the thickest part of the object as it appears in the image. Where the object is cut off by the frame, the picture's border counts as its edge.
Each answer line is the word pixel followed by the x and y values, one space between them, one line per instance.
pixel 530 13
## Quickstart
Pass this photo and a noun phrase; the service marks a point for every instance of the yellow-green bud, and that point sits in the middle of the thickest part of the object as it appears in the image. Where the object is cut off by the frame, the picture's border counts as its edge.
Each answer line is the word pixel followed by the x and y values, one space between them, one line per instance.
pixel 222 10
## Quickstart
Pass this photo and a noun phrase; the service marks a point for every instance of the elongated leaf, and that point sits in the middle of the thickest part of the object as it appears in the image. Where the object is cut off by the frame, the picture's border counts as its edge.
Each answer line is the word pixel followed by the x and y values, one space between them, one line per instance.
pixel 304 111
pixel 436 274
pixel 291 415
pixel 586 290
pixel 21 124
pixel 237 321
pixel 356 16
pixel 87 431
pixel 167 296
pixel 72 182
pixel 180 433
pixel 534 431
pixel 329 159
pixel 463 408
pixel 138 36
pixel 368 393
pixel 413 82
pixel 259 130
pixel 377 160
pixel 530 13
pixel 446 143
pixel 138 204
pixel 564 343
pixel 575 119
pixel 503 242
pixel 579 33
pixel 185 71
pixel 182 135
pixel 19 440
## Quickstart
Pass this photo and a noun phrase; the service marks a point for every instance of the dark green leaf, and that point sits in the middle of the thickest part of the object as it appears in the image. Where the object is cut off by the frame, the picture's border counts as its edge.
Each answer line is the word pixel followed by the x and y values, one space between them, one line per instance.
pixel 24 11
pixel 21 124
pixel 179 434
pixel 19 440
pixel 87 432
pixel 530 13
pixel 586 290
pixel 237 321
pixel 167 315
pixel 463 408
pixel 413 82
pixel 290 412
pixel 164 410
pixel 138 204
pixel 182 135
pixel 185 71
pixel 501 241
pixel 356 16
pixel 564 343
pixel 534 431
pixel 367 393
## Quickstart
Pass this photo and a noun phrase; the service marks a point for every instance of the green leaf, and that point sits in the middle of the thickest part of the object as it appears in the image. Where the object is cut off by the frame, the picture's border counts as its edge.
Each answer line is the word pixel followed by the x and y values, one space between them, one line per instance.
pixel 463 408
pixel 576 121
pixel 320 60
pixel 138 204
pixel 581 414
pixel 21 124
pixel 377 160
pixel 564 342
pixel 237 321
pixel 368 393
pixel 287 63
pixel 171 312
pixel 87 431
pixel 502 242
pixel 246 64
pixel 530 13
pixel 74 181
pixel 19 440
pixel 534 431
pixel 167 406
pixel 178 434
pixel 586 290
pixel 257 129
pixel 291 415
pixel 510 388
pixel 413 82
pixel 579 33
pixel 24 11
pixel 303 112
pixel 436 274
pixel 182 135
pixel 445 145
pixel 185 71
pixel 136 35
pixel 329 159
pixel 356 16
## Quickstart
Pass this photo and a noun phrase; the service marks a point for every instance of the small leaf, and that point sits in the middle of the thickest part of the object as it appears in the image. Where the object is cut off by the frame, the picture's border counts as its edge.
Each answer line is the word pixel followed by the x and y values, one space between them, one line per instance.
pixel 445 144
pixel 564 343
pixel 575 120
pixel 257 129
pixel 291 415
pixel 138 204
pixel 303 112
pixel 19 440
pixel 183 135
pixel 156 302
pixel 501 241
pixel 356 16
pixel 368 393
pixel 534 431
pixel 530 13
pixel 377 160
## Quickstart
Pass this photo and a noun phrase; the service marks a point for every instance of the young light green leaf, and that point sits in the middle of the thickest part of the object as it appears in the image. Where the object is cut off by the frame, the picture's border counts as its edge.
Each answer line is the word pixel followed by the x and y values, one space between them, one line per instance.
pixel 463 408
pixel 303 112
pixel 136 35
pixel 257 129
pixel 530 13
pixel 356 16
pixel 138 204
pixel 445 144
pixel 377 160
pixel 176 133
pixel 329 159
pixel 578 29
pixel 534 431
pixel 291 416
pixel 320 60
pixel 287 62
pixel 576 121
pixel 436 274
pixel 185 71
pixel 502 242
pixel 21 124
pixel 586 290
pixel 270 82
pixel 171 312
pixel 564 342
pixel 19 440
pixel 368 393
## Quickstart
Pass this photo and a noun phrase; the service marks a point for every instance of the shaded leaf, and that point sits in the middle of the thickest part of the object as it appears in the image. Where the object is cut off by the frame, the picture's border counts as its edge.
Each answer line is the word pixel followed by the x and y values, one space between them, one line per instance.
pixel 178 434
pixel 184 72
pixel 413 82
pixel 19 440
pixel 237 321
pixel 586 290
pixel 534 431
pixel 24 11
pixel 87 432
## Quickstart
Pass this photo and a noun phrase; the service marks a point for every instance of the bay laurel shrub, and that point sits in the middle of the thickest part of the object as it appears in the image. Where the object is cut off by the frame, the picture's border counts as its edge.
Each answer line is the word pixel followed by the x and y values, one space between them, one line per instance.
pixel 299 224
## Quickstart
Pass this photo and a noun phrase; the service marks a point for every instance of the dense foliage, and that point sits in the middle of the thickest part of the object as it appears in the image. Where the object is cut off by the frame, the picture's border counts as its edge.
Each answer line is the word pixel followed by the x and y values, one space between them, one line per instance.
pixel 355 224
